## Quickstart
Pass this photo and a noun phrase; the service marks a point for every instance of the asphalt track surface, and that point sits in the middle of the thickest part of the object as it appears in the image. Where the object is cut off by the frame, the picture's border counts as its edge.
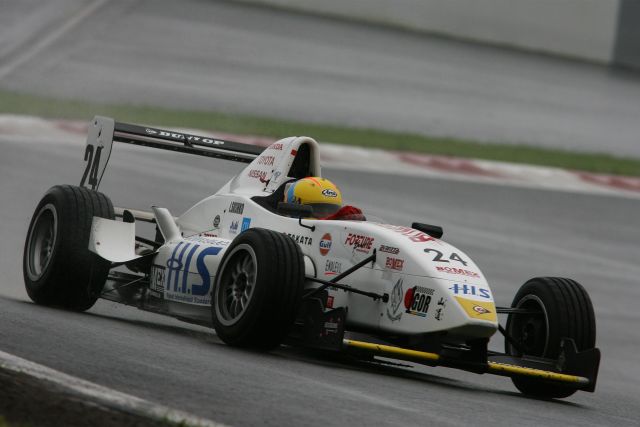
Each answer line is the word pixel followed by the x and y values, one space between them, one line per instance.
pixel 221 55
pixel 513 234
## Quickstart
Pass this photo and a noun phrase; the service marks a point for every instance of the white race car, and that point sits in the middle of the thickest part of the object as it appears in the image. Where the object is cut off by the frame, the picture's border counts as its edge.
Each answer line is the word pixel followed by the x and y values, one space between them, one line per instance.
pixel 263 272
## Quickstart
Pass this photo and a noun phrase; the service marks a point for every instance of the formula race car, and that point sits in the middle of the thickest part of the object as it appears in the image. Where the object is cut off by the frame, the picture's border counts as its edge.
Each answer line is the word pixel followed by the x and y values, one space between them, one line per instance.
pixel 265 272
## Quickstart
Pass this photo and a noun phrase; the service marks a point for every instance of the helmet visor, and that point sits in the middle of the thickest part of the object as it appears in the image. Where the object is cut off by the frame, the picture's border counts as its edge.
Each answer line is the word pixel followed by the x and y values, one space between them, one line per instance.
pixel 322 210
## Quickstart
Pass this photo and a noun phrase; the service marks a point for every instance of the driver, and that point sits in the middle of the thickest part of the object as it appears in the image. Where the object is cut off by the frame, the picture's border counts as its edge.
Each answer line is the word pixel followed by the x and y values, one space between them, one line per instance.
pixel 323 196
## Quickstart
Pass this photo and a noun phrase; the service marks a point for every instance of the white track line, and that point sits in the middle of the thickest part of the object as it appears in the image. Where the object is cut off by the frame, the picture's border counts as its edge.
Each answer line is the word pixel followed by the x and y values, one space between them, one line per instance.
pixel 45 42
pixel 101 395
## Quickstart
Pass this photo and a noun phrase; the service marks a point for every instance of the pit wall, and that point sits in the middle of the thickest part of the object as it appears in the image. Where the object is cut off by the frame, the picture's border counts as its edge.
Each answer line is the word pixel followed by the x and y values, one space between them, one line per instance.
pixel 604 31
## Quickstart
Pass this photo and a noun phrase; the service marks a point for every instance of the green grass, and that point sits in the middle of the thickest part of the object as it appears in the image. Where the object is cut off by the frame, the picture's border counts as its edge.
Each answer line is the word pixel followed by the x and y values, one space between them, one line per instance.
pixel 236 123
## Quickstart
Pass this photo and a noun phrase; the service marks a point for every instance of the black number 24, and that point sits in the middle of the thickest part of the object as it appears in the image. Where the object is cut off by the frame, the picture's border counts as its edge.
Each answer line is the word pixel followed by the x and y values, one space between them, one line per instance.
pixel 439 256
pixel 93 164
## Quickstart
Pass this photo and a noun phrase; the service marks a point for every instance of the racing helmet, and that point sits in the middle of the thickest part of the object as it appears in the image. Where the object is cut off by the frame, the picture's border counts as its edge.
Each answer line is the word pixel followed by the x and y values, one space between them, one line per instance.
pixel 319 193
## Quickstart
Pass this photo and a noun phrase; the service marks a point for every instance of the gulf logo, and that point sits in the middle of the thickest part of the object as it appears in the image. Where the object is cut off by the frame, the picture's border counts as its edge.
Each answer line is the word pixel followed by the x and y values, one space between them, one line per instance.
pixel 325 244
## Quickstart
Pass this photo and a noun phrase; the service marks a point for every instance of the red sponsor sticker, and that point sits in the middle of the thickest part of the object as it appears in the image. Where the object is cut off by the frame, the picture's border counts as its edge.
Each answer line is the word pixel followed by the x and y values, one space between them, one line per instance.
pixel 413 234
pixel 256 173
pixel 408 298
pixel 461 271
pixel 359 242
pixel 266 160
pixel 394 263
pixel 330 301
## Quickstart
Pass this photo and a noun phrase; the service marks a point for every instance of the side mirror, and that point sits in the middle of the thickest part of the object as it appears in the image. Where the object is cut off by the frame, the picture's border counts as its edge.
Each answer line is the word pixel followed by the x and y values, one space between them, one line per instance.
pixel 295 210
pixel 432 230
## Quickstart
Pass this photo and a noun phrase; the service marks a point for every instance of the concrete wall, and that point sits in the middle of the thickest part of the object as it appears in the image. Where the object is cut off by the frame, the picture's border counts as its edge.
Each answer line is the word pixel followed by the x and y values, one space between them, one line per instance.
pixel 584 29
pixel 627 49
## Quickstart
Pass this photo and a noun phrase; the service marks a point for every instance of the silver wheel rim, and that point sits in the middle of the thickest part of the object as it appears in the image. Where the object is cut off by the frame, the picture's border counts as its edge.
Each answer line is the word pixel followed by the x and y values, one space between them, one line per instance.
pixel 236 284
pixel 538 301
pixel 41 241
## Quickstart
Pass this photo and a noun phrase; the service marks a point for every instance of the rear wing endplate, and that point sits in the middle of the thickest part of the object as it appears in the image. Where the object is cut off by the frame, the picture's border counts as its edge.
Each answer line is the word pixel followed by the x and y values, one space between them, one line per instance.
pixel 103 131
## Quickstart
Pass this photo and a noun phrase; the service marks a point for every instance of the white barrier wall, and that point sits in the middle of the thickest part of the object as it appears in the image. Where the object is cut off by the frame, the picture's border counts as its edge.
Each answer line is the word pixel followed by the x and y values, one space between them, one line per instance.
pixel 578 28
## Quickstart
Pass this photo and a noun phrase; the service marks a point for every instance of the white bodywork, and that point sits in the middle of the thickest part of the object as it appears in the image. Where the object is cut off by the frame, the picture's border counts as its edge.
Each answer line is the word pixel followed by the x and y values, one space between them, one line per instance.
pixel 432 286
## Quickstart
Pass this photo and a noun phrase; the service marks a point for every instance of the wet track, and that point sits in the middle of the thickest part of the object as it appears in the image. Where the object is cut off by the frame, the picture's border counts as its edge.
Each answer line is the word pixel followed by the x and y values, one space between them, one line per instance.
pixel 206 54
pixel 513 234
pixel 215 54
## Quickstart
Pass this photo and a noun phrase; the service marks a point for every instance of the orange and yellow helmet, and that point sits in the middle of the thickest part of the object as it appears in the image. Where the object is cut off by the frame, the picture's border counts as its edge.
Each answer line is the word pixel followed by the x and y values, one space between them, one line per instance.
pixel 319 193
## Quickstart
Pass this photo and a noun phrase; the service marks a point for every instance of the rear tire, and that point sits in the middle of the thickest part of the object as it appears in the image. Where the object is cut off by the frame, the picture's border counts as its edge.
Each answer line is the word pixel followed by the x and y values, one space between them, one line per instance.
pixel 564 310
pixel 58 268
pixel 257 290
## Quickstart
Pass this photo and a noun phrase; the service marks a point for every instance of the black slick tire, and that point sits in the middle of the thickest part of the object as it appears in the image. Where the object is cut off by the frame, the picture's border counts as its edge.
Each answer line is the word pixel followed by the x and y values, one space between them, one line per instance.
pixel 564 310
pixel 267 269
pixel 58 268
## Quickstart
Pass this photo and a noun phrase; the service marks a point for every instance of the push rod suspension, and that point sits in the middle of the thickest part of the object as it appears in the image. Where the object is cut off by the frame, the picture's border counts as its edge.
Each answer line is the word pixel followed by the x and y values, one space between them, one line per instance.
pixel 332 282
pixel 384 298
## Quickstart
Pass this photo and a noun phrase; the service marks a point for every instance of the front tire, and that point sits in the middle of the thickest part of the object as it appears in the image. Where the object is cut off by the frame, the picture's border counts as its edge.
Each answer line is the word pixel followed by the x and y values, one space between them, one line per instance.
pixel 258 289
pixel 58 268
pixel 562 309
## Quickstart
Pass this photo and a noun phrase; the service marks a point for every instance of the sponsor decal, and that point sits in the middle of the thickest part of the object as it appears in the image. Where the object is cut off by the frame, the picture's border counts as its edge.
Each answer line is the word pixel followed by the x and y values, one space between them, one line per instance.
pixel 266 160
pixel 484 310
pixel 257 173
pixel 332 267
pixel 480 310
pixel 359 242
pixel 413 234
pixel 440 257
pixel 301 240
pixel 233 228
pixel 442 303
pixel 276 146
pixel 325 244
pixel 236 208
pixel 216 222
pixel 208 239
pixel 328 192
pixel 471 291
pixel 156 278
pixel 394 263
pixel 389 249
pixel 184 137
pixel 417 300
pixel 393 308
pixel 330 301
pixel 460 271
pixel 331 326
pixel 246 223
pixel 179 284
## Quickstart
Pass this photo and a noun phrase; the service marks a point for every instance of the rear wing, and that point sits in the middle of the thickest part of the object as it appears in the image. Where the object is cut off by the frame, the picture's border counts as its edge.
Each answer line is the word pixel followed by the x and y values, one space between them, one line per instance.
pixel 103 131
